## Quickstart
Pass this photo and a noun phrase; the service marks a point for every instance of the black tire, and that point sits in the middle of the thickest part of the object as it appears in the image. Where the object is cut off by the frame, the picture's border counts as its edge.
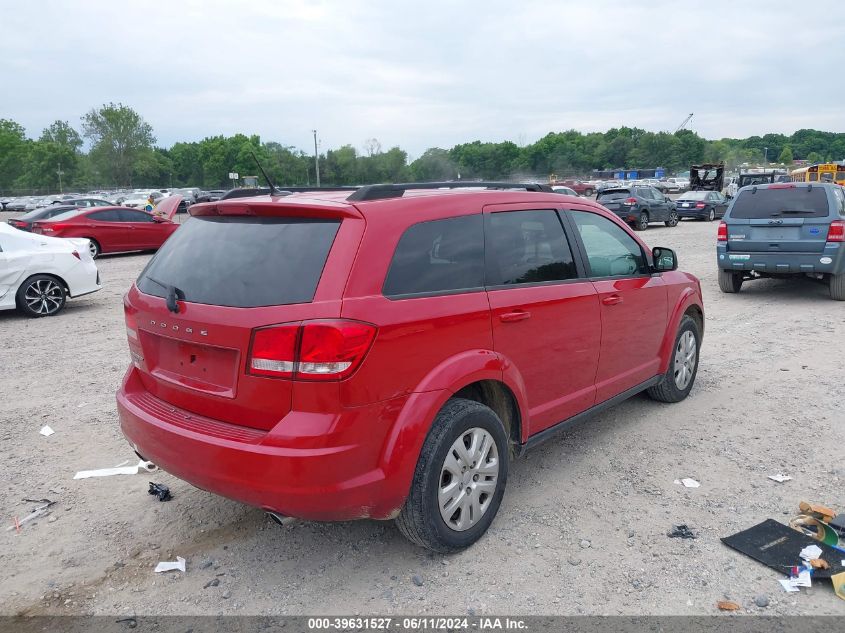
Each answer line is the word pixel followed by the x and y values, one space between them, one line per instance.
pixel 729 281
pixel 420 520
pixel 94 247
pixel 711 215
pixel 588 192
pixel 837 287
pixel 667 390
pixel 673 219
pixel 41 295
pixel 642 222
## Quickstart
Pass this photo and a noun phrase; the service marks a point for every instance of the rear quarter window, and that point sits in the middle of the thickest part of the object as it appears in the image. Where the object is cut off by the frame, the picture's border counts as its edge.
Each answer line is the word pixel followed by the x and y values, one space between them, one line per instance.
pixel 242 262
pixel 798 202
pixel 438 257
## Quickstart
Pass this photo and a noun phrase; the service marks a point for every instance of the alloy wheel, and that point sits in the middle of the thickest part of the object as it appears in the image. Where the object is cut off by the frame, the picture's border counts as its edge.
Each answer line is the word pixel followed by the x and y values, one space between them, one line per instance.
pixel 44 296
pixel 468 479
pixel 685 354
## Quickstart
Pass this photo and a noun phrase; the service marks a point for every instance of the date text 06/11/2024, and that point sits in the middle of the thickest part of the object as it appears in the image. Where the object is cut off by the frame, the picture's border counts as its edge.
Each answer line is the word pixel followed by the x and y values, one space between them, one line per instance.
pixel 416 624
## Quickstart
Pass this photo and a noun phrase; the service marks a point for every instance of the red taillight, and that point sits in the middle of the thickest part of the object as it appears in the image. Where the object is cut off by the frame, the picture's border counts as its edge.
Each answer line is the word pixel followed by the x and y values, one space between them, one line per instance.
pixel 332 349
pixel 836 231
pixel 17 223
pixel 274 351
pixel 700 205
pixel 131 322
pixel 313 350
pixel 722 234
pixel 630 201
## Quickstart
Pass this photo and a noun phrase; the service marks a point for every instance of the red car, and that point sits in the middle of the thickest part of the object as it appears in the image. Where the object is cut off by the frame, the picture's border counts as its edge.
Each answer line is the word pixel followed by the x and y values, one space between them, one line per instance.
pixel 387 354
pixel 578 186
pixel 115 229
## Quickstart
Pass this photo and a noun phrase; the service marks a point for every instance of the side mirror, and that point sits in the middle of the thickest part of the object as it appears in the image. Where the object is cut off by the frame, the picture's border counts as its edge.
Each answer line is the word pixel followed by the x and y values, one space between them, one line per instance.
pixel 664 259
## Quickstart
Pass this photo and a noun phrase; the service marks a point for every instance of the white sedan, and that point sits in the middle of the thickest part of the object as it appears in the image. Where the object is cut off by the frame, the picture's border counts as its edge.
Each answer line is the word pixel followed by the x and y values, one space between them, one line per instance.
pixel 39 273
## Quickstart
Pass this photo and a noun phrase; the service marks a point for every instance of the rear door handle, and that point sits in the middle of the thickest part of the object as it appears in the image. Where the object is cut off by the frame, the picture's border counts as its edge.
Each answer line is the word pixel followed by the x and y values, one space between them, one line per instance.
pixel 612 300
pixel 513 317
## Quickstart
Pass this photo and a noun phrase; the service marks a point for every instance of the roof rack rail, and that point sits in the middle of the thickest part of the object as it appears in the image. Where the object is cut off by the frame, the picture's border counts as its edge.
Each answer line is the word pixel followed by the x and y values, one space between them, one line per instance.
pixel 383 192
pixel 282 191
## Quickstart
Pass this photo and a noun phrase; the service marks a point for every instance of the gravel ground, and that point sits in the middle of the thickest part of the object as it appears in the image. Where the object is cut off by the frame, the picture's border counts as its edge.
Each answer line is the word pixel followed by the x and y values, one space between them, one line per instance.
pixel 582 529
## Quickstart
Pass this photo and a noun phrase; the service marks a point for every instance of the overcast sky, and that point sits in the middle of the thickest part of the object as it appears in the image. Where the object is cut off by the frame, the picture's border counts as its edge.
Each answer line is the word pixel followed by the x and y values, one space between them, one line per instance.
pixel 426 73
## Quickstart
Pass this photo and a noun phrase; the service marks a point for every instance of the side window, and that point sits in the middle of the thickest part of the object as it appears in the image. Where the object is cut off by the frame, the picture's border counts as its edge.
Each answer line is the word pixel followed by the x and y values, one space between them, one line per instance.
pixel 442 256
pixel 840 199
pixel 611 252
pixel 128 215
pixel 110 215
pixel 526 247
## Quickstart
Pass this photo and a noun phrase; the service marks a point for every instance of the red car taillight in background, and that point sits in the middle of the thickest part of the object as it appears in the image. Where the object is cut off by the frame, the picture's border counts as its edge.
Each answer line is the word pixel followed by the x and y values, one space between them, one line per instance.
pixel 311 350
pixel 17 224
pixel 722 234
pixel 836 231
pixel 630 202
pixel 700 205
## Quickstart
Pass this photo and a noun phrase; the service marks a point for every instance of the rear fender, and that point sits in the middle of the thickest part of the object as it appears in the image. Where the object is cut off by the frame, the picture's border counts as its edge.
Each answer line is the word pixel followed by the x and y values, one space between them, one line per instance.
pixel 404 442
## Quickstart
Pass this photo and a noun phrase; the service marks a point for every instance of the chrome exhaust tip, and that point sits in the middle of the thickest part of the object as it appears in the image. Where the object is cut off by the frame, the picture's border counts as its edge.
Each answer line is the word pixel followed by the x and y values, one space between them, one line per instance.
pixel 281 519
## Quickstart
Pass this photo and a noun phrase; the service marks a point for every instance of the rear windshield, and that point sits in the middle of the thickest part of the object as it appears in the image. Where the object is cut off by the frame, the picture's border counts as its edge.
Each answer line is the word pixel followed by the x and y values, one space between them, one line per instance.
pixel 613 194
pixel 242 262
pixel 797 202
pixel 66 215
pixel 695 195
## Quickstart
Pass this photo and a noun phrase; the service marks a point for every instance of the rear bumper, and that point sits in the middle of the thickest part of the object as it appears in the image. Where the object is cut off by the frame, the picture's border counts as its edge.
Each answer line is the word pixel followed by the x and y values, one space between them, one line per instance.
pixel 830 261
pixel 692 213
pixel 316 478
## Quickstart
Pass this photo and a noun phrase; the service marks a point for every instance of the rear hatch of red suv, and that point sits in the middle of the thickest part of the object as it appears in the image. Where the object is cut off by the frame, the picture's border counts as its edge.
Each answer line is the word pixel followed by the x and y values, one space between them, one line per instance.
pixel 214 320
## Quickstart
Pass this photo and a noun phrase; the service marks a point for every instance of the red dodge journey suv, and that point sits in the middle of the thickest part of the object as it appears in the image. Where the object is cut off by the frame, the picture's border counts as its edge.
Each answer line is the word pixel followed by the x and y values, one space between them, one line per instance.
pixel 385 354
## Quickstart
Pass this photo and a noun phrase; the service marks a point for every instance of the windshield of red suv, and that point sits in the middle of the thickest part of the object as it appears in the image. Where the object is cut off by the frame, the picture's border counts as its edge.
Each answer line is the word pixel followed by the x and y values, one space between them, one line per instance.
pixel 242 262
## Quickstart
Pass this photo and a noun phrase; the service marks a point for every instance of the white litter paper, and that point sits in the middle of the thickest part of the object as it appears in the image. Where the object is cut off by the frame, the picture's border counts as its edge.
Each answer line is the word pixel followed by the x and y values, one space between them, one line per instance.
pixel 177 565
pixel 687 482
pixel 792 584
pixel 810 552
pixel 120 470
pixel 780 478
pixel 46 431
pixel 803 579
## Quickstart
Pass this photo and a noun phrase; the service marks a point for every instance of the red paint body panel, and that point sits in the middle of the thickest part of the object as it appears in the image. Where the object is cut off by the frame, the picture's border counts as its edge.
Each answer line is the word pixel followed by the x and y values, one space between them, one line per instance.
pixel 348 449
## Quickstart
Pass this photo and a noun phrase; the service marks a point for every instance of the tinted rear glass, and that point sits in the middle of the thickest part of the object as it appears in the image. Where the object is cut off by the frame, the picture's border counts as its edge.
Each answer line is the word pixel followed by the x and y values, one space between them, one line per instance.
pixel 613 194
pixel 798 202
pixel 66 215
pixel 438 257
pixel 243 262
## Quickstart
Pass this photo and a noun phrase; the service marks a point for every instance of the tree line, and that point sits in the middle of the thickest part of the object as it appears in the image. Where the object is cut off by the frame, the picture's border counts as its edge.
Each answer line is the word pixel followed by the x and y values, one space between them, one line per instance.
pixel 122 152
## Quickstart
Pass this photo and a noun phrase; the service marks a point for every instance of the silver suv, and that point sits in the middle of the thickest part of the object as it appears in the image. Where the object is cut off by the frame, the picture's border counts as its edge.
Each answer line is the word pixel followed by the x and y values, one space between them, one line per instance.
pixel 784 230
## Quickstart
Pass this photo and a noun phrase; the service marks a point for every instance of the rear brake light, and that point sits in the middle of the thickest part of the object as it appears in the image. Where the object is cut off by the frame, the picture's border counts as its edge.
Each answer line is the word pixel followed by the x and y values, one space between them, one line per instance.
pixel 722 234
pixel 836 231
pixel 131 323
pixel 333 349
pixel 274 351
pixel 313 350
pixel 700 205
pixel 630 201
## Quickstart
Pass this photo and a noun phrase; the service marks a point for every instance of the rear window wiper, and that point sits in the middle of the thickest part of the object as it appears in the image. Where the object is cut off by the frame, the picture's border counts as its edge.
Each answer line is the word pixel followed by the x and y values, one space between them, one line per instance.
pixel 173 294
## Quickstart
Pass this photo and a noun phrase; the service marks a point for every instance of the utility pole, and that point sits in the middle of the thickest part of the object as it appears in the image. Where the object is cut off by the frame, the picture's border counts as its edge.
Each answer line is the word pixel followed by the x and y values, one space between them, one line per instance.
pixel 60 172
pixel 316 158
pixel 766 155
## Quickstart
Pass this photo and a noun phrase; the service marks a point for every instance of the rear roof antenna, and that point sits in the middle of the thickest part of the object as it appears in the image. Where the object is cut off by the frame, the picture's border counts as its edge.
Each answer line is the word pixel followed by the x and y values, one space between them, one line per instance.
pixel 273 190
